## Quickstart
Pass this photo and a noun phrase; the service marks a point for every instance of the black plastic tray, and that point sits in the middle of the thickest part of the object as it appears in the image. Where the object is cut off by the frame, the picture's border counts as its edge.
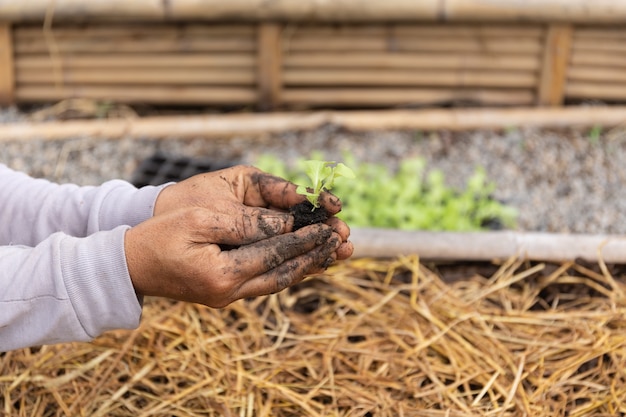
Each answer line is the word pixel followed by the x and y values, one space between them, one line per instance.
pixel 161 168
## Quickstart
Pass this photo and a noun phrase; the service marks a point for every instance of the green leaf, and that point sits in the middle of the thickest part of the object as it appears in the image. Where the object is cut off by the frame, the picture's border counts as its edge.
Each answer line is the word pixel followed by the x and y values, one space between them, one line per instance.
pixel 341 170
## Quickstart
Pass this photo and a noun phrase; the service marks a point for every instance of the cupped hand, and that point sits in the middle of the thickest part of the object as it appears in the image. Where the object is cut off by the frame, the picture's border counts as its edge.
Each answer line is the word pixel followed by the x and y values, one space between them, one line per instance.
pixel 178 255
pixel 250 204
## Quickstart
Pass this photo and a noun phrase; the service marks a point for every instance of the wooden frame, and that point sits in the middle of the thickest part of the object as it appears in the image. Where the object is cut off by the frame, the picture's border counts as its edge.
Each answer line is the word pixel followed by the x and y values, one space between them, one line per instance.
pixel 555 64
pixel 269 66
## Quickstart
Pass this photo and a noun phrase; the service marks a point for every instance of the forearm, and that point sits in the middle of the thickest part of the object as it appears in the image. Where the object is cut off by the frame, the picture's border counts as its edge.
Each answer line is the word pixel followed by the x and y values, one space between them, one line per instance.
pixel 32 209
pixel 65 289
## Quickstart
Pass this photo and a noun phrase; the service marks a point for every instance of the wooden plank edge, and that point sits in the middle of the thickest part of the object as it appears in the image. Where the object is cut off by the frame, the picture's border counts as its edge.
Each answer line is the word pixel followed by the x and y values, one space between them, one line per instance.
pixel 229 125
pixel 489 246
pixel 604 11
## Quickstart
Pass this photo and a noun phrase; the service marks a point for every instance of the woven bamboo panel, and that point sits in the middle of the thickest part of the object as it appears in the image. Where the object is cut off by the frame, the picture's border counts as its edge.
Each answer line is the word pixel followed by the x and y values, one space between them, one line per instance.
pixel 176 64
pixel 597 65
pixel 411 64
pixel 274 66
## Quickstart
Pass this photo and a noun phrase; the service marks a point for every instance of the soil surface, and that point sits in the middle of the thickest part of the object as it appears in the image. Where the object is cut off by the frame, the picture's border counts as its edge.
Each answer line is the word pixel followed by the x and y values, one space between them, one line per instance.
pixel 305 214
pixel 560 181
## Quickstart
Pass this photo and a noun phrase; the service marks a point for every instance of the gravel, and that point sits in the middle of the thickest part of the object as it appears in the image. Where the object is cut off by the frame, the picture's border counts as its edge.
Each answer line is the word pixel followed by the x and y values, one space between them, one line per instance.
pixel 560 181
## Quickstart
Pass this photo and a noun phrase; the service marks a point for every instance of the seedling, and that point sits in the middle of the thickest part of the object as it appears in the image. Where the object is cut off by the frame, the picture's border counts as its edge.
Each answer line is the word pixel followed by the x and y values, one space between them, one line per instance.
pixel 322 175
pixel 594 134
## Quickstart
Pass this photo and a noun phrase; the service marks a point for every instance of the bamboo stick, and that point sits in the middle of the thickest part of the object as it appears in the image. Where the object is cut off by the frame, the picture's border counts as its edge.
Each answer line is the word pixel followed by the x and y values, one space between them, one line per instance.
pixel 597 74
pixel 613 46
pixel 488 246
pixel 412 60
pixel 422 30
pixel 567 11
pixel 372 78
pixel 7 63
pixel 465 45
pixel 479 31
pixel 374 44
pixel 603 11
pixel 228 125
pixel 601 33
pixel 69 10
pixel 123 30
pixel 555 64
pixel 148 94
pixel 600 59
pixel 85 45
pixel 338 10
pixel 160 60
pixel 590 90
pixel 269 71
pixel 468 119
pixel 377 97
pixel 308 30
pixel 141 76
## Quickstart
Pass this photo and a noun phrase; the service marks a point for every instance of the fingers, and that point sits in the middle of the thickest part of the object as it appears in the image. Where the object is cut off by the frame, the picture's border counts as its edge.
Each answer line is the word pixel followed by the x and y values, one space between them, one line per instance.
pixel 330 202
pixel 346 249
pixel 272 191
pixel 238 226
pixel 244 184
pixel 260 257
pixel 279 193
pixel 290 272
pixel 339 226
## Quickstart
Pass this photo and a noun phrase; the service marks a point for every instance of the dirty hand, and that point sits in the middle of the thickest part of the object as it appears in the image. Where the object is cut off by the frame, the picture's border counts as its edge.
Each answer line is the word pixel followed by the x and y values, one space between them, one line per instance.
pixel 178 255
pixel 247 204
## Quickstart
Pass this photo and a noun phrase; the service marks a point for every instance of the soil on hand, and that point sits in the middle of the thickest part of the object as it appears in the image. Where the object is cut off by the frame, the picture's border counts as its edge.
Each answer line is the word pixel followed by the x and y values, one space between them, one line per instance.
pixel 305 214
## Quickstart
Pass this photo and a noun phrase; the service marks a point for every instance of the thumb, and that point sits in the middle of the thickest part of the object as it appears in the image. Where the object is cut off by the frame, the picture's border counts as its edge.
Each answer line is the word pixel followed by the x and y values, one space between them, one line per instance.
pixel 242 225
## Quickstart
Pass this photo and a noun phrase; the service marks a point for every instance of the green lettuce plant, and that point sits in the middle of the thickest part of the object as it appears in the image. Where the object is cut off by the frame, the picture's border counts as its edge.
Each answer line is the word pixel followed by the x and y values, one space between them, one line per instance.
pixel 409 198
pixel 322 175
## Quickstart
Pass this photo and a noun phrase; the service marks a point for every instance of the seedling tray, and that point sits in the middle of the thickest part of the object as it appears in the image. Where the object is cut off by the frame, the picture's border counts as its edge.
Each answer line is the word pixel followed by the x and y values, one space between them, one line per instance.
pixel 162 168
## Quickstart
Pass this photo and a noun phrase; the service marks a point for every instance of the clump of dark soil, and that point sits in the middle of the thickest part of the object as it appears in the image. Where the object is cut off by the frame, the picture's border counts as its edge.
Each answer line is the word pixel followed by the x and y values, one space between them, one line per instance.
pixel 305 214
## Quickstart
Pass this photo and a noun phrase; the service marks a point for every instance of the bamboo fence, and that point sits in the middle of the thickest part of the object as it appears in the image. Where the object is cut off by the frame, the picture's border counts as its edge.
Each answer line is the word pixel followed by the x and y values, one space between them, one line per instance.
pixel 292 65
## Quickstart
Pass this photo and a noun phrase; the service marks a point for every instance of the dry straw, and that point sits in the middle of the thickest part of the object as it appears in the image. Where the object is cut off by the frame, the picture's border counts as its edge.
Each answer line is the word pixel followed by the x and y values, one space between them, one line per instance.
pixel 370 338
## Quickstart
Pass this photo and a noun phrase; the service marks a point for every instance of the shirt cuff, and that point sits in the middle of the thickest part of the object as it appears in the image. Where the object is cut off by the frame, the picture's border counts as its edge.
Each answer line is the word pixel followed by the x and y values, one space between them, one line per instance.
pixel 98 282
pixel 126 205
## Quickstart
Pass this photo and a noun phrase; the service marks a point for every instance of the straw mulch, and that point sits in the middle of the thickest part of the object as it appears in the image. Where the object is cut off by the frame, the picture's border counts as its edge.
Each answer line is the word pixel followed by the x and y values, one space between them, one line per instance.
pixel 370 338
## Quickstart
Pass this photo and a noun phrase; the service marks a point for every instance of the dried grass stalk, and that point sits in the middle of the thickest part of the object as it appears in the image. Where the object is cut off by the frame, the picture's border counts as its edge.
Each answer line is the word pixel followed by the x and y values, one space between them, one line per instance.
pixel 371 337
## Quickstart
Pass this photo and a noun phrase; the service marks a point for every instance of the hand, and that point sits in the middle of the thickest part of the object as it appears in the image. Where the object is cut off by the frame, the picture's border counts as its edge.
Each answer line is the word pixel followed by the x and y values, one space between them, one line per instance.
pixel 178 255
pixel 251 205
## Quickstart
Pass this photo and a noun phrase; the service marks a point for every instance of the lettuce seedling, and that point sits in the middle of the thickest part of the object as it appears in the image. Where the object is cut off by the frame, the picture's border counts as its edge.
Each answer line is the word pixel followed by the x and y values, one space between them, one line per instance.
pixel 322 175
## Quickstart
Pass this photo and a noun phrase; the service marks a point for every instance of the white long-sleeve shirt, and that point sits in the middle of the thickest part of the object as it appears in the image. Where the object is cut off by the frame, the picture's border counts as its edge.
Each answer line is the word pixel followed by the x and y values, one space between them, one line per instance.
pixel 63 272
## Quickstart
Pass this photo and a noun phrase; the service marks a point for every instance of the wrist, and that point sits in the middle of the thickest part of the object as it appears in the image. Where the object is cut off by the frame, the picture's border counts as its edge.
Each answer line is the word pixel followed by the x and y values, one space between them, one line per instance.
pixel 163 200
pixel 135 262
